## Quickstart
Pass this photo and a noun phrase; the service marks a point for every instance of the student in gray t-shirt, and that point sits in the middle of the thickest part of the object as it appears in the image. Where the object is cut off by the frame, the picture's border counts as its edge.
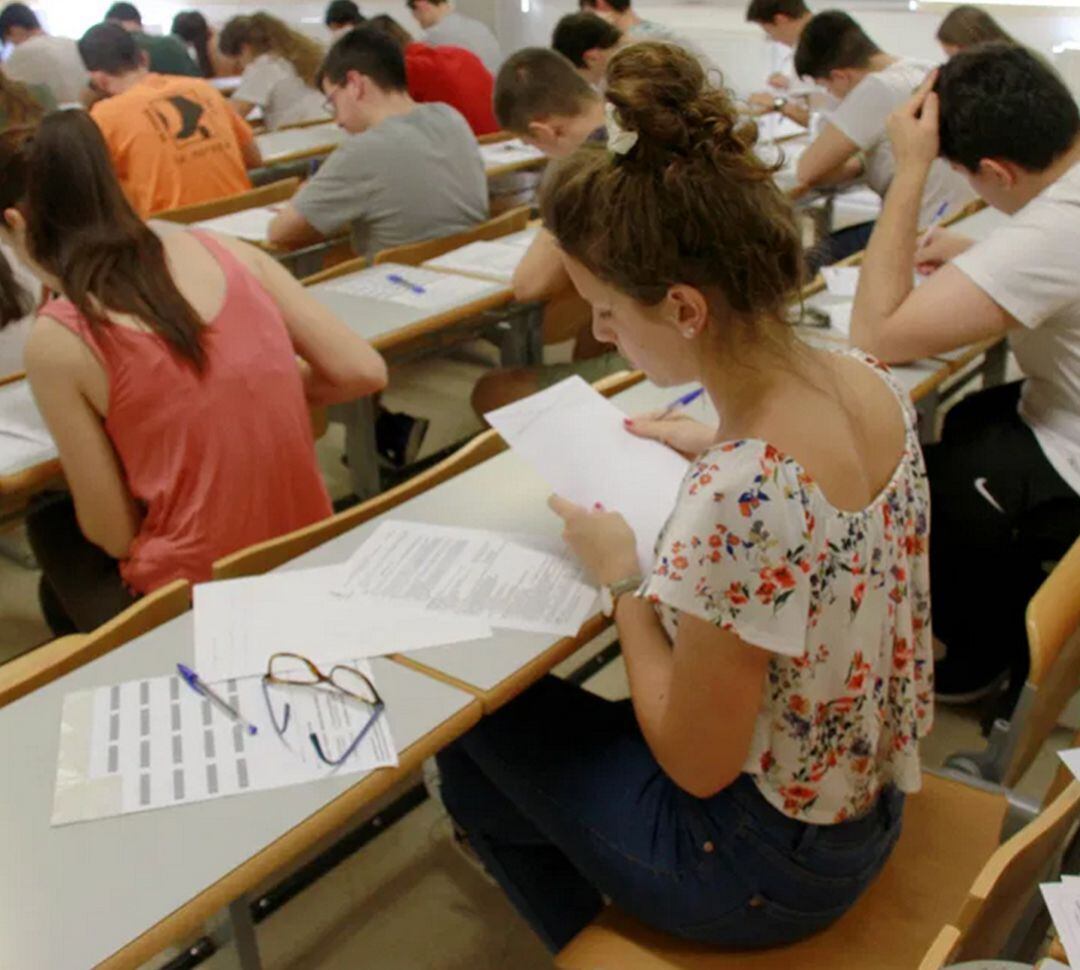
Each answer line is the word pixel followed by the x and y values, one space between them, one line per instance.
pixel 38 59
pixel 445 27
pixel 409 172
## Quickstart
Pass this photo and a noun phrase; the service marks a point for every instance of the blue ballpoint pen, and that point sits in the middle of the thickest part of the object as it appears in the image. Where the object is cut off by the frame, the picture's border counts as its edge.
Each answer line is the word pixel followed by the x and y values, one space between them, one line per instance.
pixel 941 210
pixel 681 402
pixel 401 281
pixel 196 684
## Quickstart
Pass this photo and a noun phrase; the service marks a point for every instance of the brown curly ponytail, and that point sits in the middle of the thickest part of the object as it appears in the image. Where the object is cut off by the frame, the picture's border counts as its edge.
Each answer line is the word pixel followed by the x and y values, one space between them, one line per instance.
pixel 689 203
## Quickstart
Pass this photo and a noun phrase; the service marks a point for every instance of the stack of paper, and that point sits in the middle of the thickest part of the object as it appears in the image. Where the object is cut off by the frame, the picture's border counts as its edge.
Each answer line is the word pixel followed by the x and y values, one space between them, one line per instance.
pixel 250 224
pixel 576 440
pixel 412 286
pixel 508 153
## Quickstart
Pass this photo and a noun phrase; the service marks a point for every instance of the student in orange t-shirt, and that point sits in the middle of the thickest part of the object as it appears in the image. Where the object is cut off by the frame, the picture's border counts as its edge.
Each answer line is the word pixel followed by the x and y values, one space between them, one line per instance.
pixel 174 141
pixel 452 75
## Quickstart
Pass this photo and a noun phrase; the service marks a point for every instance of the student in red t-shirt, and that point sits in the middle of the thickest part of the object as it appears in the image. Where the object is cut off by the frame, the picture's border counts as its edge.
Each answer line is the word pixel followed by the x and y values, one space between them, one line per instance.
pixel 453 75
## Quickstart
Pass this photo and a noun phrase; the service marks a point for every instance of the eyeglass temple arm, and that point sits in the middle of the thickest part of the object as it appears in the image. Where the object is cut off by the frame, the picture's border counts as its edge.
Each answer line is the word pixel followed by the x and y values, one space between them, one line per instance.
pixel 376 712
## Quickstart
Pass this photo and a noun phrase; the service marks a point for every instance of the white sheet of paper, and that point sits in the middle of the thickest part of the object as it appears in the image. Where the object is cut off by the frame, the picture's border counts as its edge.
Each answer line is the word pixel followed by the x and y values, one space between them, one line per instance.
pixel 511 581
pixel 841 280
pixel 239 623
pixel 840 317
pixel 773 126
pixel 1063 902
pixel 508 152
pixel 153 743
pixel 493 260
pixel 251 224
pixel 440 289
pixel 575 439
pixel 24 439
pixel 1071 757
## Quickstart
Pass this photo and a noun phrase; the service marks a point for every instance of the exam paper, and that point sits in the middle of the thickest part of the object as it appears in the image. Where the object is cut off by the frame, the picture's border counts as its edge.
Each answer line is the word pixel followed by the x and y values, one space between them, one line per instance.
pixel 24 439
pixel 251 224
pixel 440 289
pixel 492 260
pixel 1063 902
pixel 152 743
pixel 508 152
pixel 515 582
pixel 773 126
pixel 240 623
pixel 575 439
pixel 841 280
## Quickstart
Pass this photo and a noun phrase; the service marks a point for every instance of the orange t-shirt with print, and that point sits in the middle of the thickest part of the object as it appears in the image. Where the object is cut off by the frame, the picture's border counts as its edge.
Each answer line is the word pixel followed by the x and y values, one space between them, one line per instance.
pixel 174 141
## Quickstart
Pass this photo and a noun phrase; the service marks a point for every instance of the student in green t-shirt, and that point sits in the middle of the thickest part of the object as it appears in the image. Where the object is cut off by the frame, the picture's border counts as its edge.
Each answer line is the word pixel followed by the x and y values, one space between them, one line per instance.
pixel 167 54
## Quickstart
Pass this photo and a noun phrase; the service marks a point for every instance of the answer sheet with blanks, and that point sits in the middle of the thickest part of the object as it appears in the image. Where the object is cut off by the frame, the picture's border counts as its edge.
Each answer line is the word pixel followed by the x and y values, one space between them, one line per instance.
pixel 511 581
pixel 153 743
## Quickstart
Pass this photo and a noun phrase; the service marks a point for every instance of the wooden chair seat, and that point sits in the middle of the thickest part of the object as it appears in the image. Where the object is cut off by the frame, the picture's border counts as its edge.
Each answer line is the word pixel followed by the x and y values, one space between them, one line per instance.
pixel 949 831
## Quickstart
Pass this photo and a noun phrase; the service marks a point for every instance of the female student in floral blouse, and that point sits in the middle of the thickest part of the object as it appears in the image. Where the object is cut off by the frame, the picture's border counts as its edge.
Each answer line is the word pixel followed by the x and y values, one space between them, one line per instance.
pixel 778 651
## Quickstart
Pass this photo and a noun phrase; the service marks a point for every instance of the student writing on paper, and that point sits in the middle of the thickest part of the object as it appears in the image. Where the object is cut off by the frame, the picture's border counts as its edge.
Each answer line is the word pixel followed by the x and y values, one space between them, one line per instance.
pixel 174 141
pixel 1005 478
pixel 869 83
pixel 778 651
pixel 409 172
pixel 540 97
pixel 783 22
pixel 279 66
pixel 167 374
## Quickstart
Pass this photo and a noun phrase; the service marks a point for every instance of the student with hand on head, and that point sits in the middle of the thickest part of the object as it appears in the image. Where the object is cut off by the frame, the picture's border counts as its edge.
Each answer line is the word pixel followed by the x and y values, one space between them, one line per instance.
pixel 38 59
pixel 588 42
pixel 751 788
pixel 409 172
pixel 341 17
pixel 167 55
pixel 869 84
pixel 1005 479
pixel 452 75
pixel 783 22
pixel 444 26
pixel 967 25
pixel 174 141
pixel 279 65
pixel 166 370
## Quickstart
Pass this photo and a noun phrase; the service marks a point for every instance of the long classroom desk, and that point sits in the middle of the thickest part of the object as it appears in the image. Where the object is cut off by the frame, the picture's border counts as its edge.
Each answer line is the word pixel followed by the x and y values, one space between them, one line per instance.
pixel 297 144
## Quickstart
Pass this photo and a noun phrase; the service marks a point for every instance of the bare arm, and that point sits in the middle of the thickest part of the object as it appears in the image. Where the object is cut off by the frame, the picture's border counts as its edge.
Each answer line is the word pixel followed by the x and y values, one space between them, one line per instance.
pixel 59 366
pixel 242 108
pixel 341 366
pixel 831 158
pixel 290 228
pixel 540 274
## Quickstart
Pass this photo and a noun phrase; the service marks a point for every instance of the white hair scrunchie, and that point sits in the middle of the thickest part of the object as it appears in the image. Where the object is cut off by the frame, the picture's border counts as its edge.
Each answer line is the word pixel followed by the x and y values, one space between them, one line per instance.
pixel 619 140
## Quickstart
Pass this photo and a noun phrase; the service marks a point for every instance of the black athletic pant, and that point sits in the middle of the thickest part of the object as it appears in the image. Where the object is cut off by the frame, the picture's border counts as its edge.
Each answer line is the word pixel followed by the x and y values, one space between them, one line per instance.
pixel 986 562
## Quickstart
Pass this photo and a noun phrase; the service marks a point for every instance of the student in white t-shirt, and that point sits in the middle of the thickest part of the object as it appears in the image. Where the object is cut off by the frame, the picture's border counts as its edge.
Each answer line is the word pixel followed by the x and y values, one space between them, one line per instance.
pixel 1005 479
pixel 834 51
pixel 783 22
pixel 279 66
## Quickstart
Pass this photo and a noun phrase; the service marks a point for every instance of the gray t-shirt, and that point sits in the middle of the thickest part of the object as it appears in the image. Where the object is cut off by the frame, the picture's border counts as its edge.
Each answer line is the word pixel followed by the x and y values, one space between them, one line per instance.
pixel 457 30
pixel 1028 267
pixel 862 116
pixel 52 62
pixel 412 177
pixel 272 83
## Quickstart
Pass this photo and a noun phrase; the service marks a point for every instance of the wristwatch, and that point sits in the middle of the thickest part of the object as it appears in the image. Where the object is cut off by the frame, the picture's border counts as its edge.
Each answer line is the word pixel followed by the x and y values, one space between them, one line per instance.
pixel 609 595
pixel 778 104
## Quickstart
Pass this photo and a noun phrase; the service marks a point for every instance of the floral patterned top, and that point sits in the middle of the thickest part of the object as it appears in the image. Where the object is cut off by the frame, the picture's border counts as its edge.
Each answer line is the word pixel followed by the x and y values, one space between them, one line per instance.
pixel 841 598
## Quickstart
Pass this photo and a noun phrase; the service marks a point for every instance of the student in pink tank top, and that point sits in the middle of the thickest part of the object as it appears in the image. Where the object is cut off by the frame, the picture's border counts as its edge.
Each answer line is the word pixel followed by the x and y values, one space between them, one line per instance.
pixel 175 372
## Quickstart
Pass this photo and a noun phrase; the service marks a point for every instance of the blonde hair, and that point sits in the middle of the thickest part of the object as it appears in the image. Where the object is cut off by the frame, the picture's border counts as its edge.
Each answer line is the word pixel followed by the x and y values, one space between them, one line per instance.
pixel 689 203
pixel 967 25
pixel 268 35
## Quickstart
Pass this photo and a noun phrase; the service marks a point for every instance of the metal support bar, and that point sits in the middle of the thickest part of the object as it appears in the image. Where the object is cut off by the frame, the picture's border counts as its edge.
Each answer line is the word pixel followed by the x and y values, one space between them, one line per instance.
pixel 243 933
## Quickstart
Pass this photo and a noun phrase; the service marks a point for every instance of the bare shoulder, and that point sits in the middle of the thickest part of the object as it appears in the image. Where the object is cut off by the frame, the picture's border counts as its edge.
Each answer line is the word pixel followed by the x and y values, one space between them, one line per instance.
pixel 54 351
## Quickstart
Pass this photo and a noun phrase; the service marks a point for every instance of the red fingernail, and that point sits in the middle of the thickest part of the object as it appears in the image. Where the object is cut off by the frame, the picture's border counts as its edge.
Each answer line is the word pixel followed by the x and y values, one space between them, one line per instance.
pixel 628 421
pixel 598 505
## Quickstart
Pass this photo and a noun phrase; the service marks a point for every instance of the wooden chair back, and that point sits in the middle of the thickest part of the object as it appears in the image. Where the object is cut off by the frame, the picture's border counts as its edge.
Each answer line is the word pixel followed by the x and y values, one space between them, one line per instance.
pixel 344 268
pixel 1000 893
pixel 494 137
pixel 269 555
pixel 46 663
pixel 1053 629
pixel 416 253
pixel 941 950
pixel 264 195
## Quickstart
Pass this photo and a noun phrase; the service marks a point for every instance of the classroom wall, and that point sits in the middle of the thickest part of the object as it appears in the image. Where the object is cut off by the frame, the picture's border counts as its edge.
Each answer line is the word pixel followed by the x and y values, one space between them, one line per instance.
pixel 718 26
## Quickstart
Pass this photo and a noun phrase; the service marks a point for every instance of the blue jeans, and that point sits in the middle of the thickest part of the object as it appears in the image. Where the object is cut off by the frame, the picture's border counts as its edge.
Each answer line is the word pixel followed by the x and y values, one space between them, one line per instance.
pixel 561 798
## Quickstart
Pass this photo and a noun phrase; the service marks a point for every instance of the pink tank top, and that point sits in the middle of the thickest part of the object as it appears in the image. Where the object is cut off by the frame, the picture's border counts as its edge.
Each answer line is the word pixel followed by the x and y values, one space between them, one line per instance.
pixel 221 459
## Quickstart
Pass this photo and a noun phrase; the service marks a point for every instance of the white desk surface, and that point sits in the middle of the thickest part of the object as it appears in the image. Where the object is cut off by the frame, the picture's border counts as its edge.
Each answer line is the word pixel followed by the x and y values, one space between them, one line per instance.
pixel 19 453
pixel 71 896
pixel 275 145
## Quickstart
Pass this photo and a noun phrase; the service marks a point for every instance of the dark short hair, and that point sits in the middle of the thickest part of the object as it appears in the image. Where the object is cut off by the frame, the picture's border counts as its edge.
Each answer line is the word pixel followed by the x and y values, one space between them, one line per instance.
pixel 124 12
pixel 343 12
pixel 389 26
pixel 538 83
pixel 766 11
pixel 619 6
pixel 368 51
pixel 831 41
pixel 577 33
pixel 17 15
pixel 1002 101
pixel 108 47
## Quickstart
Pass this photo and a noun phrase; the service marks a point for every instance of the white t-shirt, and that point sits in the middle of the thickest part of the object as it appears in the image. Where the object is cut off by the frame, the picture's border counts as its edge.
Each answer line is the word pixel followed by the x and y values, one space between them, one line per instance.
pixel 457 30
pixel 862 116
pixel 52 62
pixel 272 83
pixel 1028 267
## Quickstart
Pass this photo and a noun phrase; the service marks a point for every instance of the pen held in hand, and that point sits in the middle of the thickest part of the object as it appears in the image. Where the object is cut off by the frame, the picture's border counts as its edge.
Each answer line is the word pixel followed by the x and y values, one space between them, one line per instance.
pixel 680 402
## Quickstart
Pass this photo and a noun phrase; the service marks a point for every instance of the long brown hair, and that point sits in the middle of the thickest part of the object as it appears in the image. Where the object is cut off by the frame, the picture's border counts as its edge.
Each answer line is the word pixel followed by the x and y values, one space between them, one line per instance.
pixel 18 104
pixel 81 229
pixel 967 25
pixel 689 203
pixel 268 35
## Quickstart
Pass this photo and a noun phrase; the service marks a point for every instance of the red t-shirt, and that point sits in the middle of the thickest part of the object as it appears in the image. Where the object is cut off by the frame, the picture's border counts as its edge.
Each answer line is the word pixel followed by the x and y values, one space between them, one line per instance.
pixel 456 77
